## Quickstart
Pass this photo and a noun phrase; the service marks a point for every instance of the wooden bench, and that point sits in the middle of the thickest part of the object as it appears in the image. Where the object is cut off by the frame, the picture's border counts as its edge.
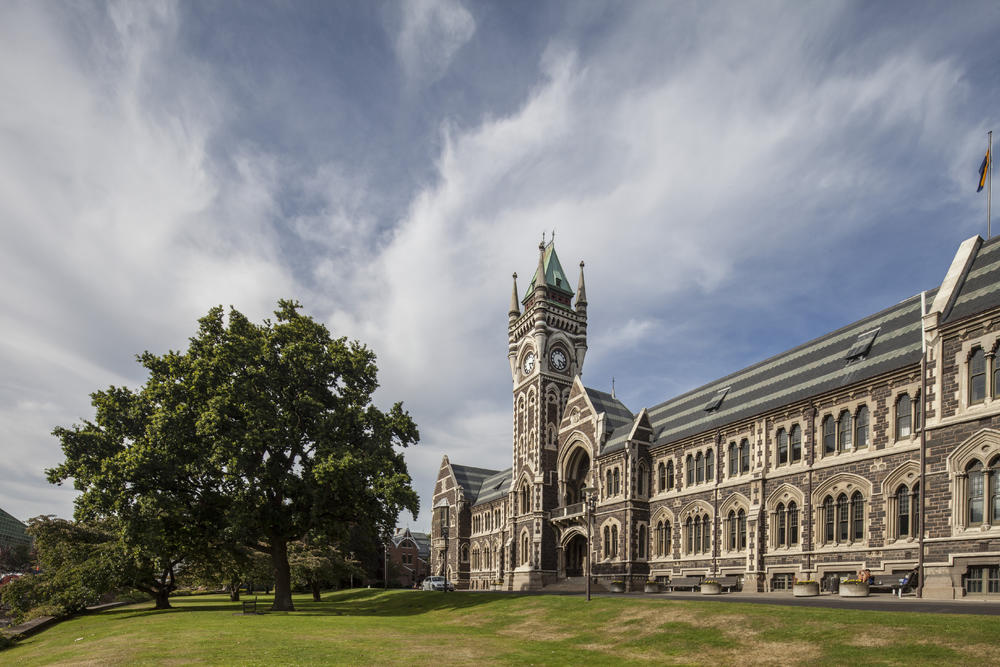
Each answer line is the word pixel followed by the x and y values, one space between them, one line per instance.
pixel 729 582
pixel 690 583
pixel 890 582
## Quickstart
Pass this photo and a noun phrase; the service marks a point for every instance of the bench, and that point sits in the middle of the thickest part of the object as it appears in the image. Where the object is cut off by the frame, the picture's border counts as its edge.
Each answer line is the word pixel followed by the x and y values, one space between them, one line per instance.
pixel 729 582
pixel 890 582
pixel 690 583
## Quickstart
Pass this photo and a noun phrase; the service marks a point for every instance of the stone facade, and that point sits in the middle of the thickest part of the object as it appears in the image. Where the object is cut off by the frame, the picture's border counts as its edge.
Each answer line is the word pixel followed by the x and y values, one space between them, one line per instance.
pixel 804 466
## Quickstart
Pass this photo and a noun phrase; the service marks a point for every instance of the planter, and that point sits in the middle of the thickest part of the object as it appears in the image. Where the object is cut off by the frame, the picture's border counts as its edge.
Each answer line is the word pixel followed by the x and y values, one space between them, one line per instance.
pixel 652 587
pixel 806 589
pixel 617 587
pixel 853 590
pixel 711 588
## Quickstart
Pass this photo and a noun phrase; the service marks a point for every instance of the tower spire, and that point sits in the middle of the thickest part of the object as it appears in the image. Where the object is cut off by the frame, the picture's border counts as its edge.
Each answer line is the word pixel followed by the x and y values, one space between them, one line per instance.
pixel 540 271
pixel 581 292
pixel 515 309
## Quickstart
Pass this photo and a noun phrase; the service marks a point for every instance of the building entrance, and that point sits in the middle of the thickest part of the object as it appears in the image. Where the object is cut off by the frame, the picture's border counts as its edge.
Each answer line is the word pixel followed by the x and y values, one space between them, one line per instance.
pixel 576 556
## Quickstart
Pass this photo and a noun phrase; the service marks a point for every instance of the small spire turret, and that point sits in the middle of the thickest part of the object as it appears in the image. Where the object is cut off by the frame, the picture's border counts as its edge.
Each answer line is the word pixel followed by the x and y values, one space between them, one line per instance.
pixel 515 308
pixel 581 293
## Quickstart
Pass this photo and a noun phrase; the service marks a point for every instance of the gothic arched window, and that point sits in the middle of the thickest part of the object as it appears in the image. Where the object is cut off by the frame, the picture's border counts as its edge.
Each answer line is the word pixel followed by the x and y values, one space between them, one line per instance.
pixel 976 492
pixel 706 535
pixel 844 431
pixel 734 461
pixel 861 437
pixel 670 474
pixel 977 376
pixel 699 468
pixel 829 435
pixel 689 467
pixel 709 465
pixel 642 541
pixel 857 516
pixel 782 447
pixel 741 519
pixel 903 414
pixel 828 519
pixel 618 482
pixel 745 455
pixel 796 443
pixel 661 474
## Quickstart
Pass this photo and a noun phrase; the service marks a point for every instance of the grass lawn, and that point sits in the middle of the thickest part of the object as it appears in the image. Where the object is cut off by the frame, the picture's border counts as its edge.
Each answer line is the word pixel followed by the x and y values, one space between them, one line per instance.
pixel 416 627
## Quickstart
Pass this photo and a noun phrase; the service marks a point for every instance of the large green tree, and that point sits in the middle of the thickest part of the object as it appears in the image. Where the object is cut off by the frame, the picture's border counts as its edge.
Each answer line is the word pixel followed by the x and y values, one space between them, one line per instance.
pixel 301 448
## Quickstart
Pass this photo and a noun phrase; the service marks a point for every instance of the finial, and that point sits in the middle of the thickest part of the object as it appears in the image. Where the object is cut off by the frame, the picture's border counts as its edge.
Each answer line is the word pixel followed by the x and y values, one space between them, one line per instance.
pixel 553 236
pixel 612 386
pixel 515 309
pixel 581 292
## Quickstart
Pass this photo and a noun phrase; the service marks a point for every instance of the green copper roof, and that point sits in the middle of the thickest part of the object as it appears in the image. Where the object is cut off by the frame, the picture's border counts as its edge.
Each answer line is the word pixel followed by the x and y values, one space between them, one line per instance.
pixel 555 277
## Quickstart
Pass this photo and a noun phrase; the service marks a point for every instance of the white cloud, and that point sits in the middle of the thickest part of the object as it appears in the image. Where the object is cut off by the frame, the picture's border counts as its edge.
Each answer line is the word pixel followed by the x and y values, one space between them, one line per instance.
pixel 431 33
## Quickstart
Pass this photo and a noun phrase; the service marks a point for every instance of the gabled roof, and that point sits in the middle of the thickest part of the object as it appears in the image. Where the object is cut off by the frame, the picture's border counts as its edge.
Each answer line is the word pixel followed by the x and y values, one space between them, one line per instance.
pixel 471 479
pixel 555 277
pixel 495 487
pixel 815 367
pixel 12 531
pixel 620 419
pixel 423 541
pixel 981 288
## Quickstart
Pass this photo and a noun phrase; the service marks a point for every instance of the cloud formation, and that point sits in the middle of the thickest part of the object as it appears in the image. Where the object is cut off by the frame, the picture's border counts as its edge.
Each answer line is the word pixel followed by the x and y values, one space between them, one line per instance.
pixel 738 181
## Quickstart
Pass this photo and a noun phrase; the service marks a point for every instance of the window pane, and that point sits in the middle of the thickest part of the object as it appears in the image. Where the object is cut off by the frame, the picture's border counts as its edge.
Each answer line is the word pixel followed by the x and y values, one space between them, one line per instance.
pixel 670 474
pixel 662 471
pixel 829 436
pixel 745 456
pixel 858 511
pixel 903 511
pixel 793 524
pixel 699 468
pixel 689 465
pixel 915 501
pixel 977 376
pixel 903 416
pixel 709 465
pixel 976 493
pixel 697 533
pixel 842 519
pixel 844 437
pixel 706 545
pixel 781 525
pixel 796 443
pixel 828 518
pixel 733 462
pixel 742 518
pixel 782 447
pixel 861 428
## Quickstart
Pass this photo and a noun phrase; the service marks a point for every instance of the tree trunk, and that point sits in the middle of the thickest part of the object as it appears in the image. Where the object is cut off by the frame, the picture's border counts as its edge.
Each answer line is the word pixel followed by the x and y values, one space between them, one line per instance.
pixel 282 575
pixel 234 591
pixel 162 598
pixel 315 589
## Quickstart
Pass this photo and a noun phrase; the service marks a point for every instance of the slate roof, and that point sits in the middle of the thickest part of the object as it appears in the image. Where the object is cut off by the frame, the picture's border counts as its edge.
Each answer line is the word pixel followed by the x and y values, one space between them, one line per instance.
pixel 807 370
pixel 471 479
pixel 12 531
pixel 981 289
pixel 555 277
pixel 495 487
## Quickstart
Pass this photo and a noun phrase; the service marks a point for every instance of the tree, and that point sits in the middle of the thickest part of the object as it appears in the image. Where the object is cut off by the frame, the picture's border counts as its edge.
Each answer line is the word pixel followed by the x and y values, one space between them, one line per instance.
pixel 289 413
pixel 79 564
pixel 15 558
pixel 315 565
pixel 146 474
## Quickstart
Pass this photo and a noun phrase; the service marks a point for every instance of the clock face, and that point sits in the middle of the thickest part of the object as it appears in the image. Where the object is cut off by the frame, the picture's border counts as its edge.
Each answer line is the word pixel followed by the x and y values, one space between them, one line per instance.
pixel 558 360
pixel 529 363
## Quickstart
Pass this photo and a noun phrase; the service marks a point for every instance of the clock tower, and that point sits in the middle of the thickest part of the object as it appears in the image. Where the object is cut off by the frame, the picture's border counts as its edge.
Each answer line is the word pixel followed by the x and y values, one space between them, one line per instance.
pixel 546 347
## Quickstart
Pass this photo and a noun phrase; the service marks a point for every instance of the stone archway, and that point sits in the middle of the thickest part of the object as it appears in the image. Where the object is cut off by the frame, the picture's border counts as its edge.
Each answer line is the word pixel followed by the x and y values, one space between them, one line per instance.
pixel 576 556
pixel 575 475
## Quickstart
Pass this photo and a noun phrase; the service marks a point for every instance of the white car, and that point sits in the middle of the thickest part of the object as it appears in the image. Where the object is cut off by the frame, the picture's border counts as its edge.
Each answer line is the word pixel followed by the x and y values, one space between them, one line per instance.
pixel 436 584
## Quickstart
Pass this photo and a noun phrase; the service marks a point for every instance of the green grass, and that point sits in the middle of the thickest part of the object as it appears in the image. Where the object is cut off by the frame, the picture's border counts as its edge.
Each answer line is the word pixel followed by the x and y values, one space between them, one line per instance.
pixel 414 627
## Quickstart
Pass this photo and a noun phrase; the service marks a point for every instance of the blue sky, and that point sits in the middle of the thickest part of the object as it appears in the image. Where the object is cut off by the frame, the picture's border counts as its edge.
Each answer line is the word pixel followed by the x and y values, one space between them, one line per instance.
pixel 738 177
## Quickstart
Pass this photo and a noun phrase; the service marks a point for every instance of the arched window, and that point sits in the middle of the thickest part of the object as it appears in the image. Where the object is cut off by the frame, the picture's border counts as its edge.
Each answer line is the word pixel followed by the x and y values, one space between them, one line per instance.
pixel 844 432
pixel 977 376
pixel 995 496
pixel 668 545
pixel 614 540
pixel 706 535
pixel 607 542
pixel 709 465
pixel 782 446
pixel 976 492
pixel 618 481
pixel 642 541
pixel 688 533
pixel 857 516
pixel 734 461
pixel 640 483
pixel 661 474
pixel 843 520
pixel 796 443
pixel 697 534
pixel 745 455
pixel 660 542
pixel 524 549
pixel 465 553
pixel 525 506
pixel 670 474
pixel 609 488
pixel 829 435
pixel 793 523
pixel 903 511
pixel 733 527
pixel 861 438
pixel 828 519
pixel 903 422
pixel 689 467
pixel 741 519
pixel 781 519
pixel 699 468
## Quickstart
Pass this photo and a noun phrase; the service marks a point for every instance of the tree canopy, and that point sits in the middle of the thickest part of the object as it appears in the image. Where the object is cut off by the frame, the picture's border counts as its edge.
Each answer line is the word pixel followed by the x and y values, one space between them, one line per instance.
pixel 257 435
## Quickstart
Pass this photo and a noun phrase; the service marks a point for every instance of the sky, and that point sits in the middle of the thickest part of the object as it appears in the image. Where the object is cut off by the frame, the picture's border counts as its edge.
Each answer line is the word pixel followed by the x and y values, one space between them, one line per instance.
pixel 738 177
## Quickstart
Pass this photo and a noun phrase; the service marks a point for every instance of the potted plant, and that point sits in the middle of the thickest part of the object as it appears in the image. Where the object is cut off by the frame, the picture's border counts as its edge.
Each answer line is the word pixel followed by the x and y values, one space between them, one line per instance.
pixel 618 586
pixel 805 588
pixel 710 587
pixel 853 588
pixel 652 586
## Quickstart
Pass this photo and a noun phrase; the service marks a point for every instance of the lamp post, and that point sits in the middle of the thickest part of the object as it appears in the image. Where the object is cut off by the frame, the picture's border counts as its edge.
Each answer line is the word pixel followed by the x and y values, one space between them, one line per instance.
pixel 588 509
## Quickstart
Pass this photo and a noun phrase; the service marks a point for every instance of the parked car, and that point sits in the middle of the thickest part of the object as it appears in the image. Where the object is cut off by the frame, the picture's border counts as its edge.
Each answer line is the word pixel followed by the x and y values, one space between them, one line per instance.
pixel 437 584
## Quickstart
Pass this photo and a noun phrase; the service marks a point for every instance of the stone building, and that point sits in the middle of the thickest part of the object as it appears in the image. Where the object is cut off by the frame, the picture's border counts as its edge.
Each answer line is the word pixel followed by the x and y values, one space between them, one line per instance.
pixel 409 557
pixel 808 464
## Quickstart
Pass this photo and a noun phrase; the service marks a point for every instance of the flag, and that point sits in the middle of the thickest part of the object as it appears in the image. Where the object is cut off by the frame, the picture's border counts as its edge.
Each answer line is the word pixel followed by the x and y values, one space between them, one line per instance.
pixel 983 169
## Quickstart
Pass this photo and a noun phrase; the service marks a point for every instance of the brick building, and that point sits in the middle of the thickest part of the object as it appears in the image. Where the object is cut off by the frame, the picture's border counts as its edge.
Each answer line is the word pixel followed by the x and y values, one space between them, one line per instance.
pixel 809 464
pixel 409 557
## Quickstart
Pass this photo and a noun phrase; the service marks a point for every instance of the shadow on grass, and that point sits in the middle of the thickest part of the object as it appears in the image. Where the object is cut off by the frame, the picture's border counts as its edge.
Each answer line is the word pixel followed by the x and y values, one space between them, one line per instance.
pixel 356 602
